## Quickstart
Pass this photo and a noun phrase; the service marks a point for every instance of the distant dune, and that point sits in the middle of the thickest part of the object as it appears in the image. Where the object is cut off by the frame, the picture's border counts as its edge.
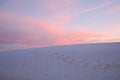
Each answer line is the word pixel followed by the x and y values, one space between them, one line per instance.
pixel 98 61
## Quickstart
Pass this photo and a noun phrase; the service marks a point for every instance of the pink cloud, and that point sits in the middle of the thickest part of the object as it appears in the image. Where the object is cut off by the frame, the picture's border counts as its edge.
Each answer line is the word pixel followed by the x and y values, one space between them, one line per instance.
pixel 18 29
pixel 34 32
pixel 82 36
pixel 116 27
pixel 26 30
pixel 112 27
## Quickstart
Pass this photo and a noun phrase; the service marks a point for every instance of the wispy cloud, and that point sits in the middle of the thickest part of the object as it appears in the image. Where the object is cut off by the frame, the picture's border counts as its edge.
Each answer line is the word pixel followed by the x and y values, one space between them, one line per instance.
pixel 100 6
pixel 48 22
pixel 82 36
pixel 38 32
pixel 113 10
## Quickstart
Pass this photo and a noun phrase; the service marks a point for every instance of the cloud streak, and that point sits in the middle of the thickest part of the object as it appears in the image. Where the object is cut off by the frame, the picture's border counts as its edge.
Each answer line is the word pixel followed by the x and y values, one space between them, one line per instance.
pixel 48 22
pixel 41 33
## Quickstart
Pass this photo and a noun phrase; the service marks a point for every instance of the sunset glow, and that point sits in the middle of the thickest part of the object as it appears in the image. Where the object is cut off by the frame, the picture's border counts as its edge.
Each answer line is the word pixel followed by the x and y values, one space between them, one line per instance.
pixel 42 23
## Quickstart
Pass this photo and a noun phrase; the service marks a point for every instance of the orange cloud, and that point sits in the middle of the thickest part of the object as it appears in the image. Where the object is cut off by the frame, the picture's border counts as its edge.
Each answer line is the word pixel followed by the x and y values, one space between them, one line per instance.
pixel 113 40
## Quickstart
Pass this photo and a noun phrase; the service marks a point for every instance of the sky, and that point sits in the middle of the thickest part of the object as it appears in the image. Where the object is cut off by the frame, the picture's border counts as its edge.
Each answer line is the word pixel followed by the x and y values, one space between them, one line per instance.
pixel 43 23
